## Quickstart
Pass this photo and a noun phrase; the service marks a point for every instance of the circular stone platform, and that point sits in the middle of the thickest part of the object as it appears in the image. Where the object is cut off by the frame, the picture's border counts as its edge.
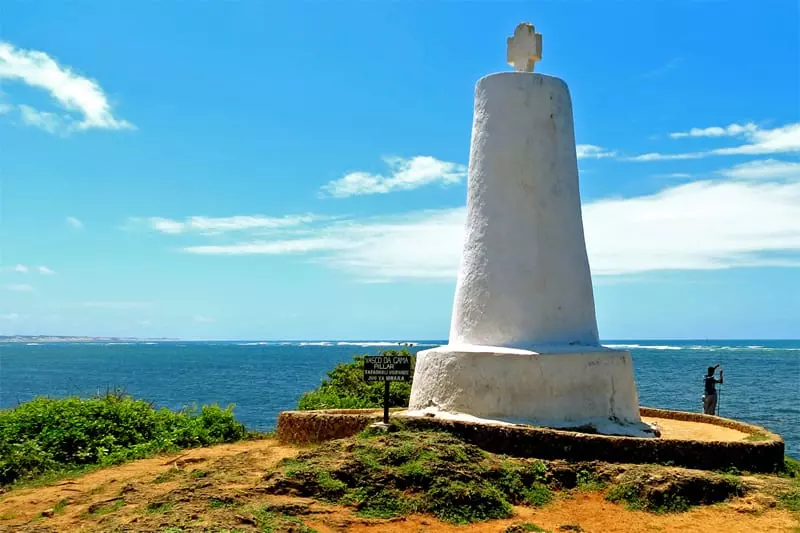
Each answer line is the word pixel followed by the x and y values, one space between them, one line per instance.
pixel 687 439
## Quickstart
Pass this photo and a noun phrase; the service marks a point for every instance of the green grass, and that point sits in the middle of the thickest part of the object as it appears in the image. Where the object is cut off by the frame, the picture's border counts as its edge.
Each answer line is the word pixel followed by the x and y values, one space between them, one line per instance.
pixel 403 472
pixel 271 522
pixel 47 439
pixel 107 508
pixel 345 388
pixel 538 495
pixel 168 475
pixel 199 474
pixel 158 507
pixel 635 501
pixel 525 527
pixel 790 500
pixel 586 481
pixel 791 468
pixel 756 437
pixel 60 506
pixel 218 503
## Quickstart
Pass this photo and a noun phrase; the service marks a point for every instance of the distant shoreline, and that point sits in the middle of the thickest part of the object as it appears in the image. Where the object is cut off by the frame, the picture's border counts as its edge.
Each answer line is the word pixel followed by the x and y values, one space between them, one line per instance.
pixel 37 339
pixel 58 338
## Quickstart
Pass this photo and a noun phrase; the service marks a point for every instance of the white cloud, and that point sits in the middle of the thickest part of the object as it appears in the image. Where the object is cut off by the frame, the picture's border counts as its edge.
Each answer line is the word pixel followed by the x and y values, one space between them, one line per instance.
pixel 73 92
pixel 657 156
pixel 781 140
pixel 74 222
pixel 19 287
pixel 5 108
pixel 115 305
pixel 591 151
pixel 699 225
pixel 763 169
pixel 405 174
pixel 10 317
pixel 202 224
pixel 712 224
pixel 44 120
pixel 271 247
pixel 675 175
pixel 24 269
pixel 203 319
pixel 734 130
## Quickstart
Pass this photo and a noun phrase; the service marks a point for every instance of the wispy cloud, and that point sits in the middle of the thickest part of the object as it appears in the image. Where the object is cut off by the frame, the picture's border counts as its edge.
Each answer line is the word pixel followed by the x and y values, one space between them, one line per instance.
pixel 262 247
pixel 24 269
pixel 591 151
pixel 19 287
pixel 692 226
pixel 202 224
pixel 784 139
pixel 10 317
pixel 674 175
pixel 404 174
pixel 73 92
pixel 115 305
pixel 666 68
pixel 763 169
pixel 44 120
pixel 203 319
pixel 74 222
pixel 734 130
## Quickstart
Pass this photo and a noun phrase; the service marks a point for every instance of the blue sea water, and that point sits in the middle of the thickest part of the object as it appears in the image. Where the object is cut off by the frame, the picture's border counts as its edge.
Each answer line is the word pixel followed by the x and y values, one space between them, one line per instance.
pixel 762 378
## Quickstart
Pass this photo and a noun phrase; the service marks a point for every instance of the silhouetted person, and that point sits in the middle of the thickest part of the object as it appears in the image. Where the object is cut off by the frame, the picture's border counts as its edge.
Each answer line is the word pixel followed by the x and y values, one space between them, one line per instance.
pixel 710 397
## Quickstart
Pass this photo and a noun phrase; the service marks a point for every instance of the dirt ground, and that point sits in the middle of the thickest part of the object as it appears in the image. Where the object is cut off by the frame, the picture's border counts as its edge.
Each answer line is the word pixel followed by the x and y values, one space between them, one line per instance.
pixel 218 489
pixel 682 429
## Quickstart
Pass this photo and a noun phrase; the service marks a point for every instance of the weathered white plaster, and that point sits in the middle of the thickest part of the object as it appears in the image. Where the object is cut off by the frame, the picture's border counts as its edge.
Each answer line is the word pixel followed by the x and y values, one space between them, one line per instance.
pixel 524 344
pixel 557 389
pixel 524 279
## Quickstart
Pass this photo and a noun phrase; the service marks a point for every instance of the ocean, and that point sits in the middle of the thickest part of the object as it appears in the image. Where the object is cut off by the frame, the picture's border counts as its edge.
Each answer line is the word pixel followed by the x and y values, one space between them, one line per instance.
pixel 762 378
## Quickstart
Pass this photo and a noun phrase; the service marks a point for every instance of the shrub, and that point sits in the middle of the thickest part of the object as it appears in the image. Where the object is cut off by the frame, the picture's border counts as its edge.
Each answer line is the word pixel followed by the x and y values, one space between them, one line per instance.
pixel 345 388
pixel 49 435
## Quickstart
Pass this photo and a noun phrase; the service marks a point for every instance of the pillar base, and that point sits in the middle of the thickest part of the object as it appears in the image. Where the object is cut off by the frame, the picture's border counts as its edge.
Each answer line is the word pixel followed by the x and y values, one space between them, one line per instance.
pixel 588 389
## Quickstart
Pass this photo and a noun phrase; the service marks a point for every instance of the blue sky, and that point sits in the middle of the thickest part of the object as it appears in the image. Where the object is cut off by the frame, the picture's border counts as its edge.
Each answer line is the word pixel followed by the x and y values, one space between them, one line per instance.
pixel 297 170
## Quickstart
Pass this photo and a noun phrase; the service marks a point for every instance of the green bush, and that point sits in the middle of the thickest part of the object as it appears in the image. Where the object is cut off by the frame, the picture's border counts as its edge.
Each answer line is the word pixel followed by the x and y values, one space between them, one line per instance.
pixel 345 388
pixel 49 435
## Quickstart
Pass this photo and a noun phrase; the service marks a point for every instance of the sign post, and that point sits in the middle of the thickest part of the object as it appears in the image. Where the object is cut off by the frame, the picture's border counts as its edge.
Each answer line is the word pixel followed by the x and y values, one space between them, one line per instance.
pixel 387 368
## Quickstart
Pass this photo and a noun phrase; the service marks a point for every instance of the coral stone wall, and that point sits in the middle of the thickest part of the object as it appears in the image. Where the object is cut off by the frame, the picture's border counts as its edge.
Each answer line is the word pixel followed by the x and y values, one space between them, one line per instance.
pixel 309 427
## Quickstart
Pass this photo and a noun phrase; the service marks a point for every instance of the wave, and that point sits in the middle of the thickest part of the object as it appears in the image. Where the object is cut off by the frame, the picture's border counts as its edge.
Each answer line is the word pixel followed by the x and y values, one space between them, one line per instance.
pixel 320 343
pixel 253 343
pixel 375 343
pixel 643 347
pixel 702 348
pixel 32 344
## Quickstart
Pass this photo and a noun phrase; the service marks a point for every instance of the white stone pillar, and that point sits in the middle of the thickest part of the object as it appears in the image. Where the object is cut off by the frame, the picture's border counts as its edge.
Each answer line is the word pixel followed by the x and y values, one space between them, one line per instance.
pixel 524 280
pixel 523 341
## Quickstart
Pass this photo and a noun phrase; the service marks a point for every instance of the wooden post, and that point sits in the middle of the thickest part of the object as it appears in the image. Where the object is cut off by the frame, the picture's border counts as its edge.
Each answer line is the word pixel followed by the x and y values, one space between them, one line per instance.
pixel 386 402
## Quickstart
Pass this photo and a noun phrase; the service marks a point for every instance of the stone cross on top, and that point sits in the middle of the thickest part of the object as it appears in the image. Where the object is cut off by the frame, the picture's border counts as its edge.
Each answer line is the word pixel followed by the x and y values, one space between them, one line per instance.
pixel 524 47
